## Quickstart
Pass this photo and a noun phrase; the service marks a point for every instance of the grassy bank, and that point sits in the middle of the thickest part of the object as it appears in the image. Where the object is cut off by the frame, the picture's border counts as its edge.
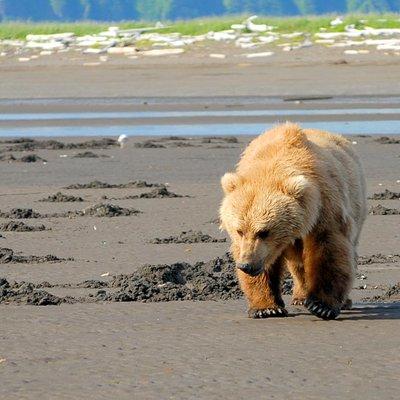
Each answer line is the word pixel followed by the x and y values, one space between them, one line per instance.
pixel 19 30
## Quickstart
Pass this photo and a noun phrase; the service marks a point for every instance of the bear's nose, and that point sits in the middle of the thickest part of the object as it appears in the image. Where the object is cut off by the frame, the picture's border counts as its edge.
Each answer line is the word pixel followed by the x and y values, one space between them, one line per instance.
pixel 245 267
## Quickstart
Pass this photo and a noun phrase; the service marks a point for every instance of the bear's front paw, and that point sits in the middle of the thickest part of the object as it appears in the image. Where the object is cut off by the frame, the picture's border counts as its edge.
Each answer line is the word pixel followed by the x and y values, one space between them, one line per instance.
pixel 267 312
pixel 321 309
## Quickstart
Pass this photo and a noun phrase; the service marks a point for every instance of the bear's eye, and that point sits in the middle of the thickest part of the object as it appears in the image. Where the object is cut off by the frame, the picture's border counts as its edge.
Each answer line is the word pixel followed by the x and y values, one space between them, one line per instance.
pixel 240 233
pixel 263 234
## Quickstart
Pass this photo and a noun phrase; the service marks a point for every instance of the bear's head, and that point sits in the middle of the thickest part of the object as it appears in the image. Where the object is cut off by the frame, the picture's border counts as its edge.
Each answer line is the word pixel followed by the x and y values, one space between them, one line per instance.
pixel 264 216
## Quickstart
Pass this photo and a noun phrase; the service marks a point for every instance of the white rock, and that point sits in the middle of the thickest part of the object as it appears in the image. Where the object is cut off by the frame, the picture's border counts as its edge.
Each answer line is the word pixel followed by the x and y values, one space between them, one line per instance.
pixel 45 46
pixel 217 55
pixel 267 39
pixel 162 52
pixel 258 55
pixel 23 59
pixel 53 37
pixel 46 53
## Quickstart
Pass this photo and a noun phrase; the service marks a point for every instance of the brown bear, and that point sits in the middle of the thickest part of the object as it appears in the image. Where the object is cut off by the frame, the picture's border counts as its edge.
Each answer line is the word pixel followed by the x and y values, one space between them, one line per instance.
pixel 297 201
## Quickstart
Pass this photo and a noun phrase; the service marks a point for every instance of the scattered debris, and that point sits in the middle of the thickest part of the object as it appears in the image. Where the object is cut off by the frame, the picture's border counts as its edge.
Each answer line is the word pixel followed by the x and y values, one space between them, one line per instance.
pixel 391 295
pixel 378 259
pixel 188 237
pixel 381 210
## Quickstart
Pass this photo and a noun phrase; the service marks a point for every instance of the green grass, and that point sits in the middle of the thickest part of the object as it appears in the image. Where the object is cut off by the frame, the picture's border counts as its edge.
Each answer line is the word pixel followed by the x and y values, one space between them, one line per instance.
pixel 19 30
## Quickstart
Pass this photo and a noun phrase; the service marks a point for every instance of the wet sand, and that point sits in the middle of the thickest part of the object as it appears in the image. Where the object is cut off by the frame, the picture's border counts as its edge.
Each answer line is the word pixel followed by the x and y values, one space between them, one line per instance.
pixel 305 72
pixel 189 349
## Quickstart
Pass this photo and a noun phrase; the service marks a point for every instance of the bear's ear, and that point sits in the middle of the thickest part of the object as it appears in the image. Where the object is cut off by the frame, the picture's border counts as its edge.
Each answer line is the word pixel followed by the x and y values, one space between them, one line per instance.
pixel 229 182
pixel 297 185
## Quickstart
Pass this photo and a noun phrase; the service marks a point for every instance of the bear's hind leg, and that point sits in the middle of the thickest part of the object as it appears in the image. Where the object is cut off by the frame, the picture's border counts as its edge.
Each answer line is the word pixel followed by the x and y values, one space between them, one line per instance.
pixel 294 263
pixel 263 293
pixel 328 267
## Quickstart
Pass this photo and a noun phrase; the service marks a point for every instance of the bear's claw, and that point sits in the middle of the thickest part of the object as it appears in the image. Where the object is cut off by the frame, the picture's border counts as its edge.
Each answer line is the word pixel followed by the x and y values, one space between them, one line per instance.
pixel 268 313
pixel 298 302
pixel 321 309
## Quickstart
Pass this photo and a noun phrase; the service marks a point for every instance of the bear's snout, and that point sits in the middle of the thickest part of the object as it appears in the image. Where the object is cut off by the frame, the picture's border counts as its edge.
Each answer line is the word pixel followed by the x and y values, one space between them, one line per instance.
pixel 250 269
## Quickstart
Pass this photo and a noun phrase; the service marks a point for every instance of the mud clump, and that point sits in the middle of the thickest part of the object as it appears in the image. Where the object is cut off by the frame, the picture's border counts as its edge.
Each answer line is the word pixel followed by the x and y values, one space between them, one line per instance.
pixel 378 259
pixel 20 213
pixel 107 210
pixel 148 144
pixel 30 158
pixel 158 193
pixel 188 238
pixel 26 293
pixel 387 140
pixel 224 139
pixel 386 195
pixel 32 144
pixel 19 226
pixel 104 185
pixel 7 256
pixel 213 280
pixel 61 198
pixel 7 158
pixel 89 154
pixel 381 210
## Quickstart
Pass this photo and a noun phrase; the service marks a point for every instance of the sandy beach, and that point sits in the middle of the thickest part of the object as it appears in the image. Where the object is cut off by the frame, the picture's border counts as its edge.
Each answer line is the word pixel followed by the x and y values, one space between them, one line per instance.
pixel 74 323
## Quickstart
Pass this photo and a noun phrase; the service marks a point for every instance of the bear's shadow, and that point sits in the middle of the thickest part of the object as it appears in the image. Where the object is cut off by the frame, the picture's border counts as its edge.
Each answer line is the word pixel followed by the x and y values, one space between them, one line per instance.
pixel 368 312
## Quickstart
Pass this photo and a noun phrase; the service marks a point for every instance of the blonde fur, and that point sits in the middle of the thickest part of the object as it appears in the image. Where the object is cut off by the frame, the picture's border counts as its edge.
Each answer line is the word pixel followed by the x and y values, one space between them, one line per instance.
pixel 296 201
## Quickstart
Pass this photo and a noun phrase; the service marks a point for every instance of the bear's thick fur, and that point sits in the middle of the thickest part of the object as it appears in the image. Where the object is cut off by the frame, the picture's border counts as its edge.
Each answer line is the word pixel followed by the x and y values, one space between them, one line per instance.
pixel 296 201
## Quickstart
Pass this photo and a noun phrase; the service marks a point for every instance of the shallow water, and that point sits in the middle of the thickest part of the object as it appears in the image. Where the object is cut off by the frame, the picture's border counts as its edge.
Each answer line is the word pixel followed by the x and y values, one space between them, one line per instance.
pixel 192 114
pixel 344 127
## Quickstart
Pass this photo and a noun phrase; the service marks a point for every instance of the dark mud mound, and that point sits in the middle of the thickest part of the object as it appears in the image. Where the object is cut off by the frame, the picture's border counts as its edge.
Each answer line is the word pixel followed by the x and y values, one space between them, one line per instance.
pixel 182 144
pixel 387 140
pixel 104 185
pixel 148 144
pixel 7 158
pixel 219 139
pixel 386 195
pixel 20 213
pixel 381 210
pixel 188 237
pixel 158 193
pixel 391 295
pixel 378 259
pixel 89 154
pixel 7 256
pixel 213 280
pixel 33 144
pixel 26 293
pixel 30 158
pixel 19 226
pixel 107 210
pixel 61 198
